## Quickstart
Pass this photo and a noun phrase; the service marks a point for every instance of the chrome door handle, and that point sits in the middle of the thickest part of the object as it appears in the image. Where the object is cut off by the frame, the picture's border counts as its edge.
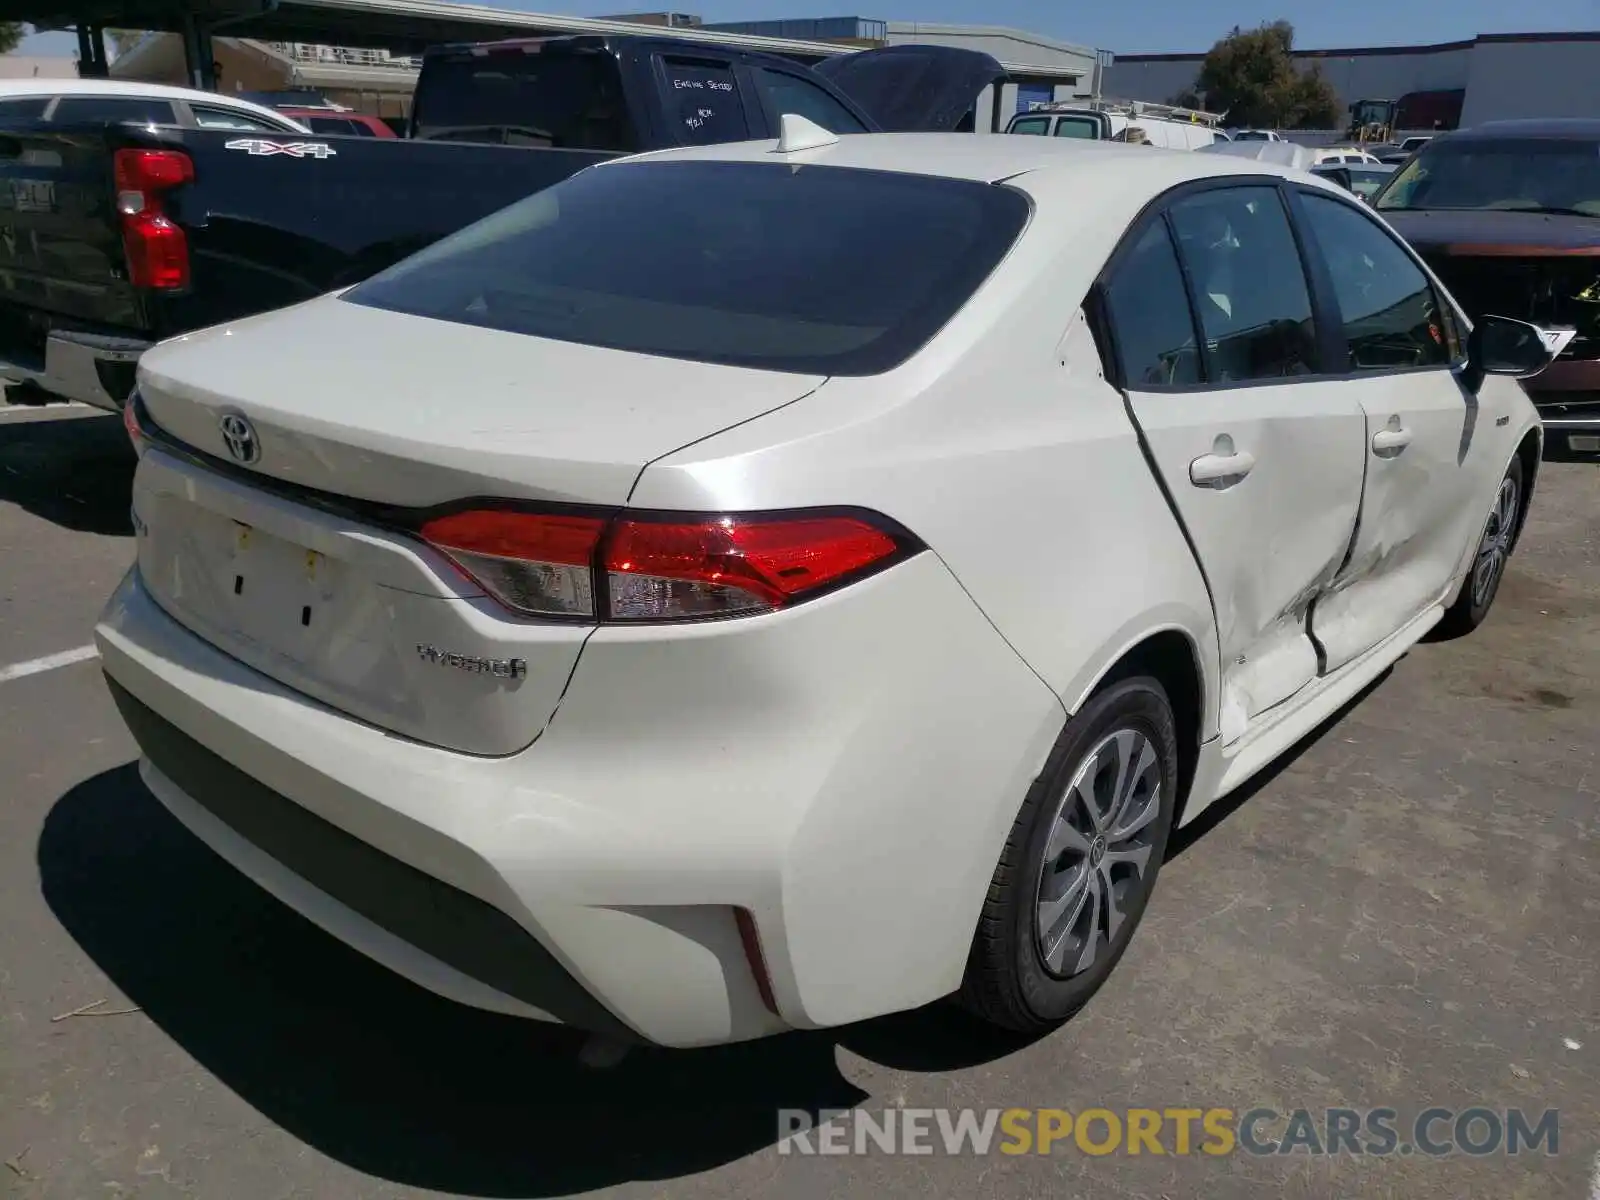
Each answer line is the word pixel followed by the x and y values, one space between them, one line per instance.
pixel 1386 440
pixel 1221 470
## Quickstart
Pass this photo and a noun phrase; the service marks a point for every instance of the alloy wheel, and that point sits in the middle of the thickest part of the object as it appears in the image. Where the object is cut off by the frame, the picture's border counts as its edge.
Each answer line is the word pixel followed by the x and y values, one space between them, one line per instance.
pixel 1097 857
pixel 1495 546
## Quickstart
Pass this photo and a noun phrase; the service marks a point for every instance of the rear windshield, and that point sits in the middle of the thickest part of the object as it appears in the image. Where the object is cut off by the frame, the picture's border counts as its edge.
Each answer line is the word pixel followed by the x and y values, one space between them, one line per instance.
pixel 1078 127
pixel 515 97
pixel 1553 175
pixel 819 270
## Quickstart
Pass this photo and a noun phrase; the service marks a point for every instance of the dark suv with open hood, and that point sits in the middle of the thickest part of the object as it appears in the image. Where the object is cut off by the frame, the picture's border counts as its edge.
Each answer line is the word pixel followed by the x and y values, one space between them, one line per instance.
pixel 1508 216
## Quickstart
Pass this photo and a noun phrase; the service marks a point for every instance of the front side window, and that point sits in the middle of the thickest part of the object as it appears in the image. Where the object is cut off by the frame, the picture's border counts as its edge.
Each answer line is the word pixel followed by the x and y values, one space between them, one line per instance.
pixel 1549 175
pixel 785 93
pixel 1250 288
pixel 117 109
pixel 812 269
pixel 1150 317
pixel 1391 316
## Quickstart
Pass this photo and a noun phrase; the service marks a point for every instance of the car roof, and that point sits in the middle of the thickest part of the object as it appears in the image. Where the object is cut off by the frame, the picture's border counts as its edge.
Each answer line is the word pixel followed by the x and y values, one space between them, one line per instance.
pixel 130 89
pixel 992 158
pixel 1576 128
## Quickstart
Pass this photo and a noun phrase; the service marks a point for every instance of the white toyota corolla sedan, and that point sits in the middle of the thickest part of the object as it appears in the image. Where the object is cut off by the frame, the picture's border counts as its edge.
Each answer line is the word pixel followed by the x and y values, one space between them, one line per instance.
pixel 764 586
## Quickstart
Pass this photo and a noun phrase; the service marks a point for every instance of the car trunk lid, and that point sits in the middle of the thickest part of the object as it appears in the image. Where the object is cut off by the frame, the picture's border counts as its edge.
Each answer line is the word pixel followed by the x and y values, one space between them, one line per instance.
pixel 305 562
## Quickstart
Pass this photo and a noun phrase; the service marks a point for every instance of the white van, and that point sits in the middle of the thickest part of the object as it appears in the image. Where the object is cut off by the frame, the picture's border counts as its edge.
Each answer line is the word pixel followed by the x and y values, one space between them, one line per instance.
pixel 1102 120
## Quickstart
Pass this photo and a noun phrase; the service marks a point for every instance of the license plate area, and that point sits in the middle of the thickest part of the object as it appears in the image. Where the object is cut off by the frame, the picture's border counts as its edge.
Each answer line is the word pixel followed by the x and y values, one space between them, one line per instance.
pixel 278 590
pixel 253 591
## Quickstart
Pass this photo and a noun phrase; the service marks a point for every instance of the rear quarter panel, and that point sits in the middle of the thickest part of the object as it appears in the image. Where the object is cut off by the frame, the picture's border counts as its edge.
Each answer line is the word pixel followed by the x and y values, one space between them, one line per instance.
pixel 1004 448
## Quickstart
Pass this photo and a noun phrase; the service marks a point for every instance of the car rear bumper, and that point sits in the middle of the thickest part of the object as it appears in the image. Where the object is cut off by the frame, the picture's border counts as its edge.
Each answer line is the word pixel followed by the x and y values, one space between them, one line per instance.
pixel 845 780
pixel 95 369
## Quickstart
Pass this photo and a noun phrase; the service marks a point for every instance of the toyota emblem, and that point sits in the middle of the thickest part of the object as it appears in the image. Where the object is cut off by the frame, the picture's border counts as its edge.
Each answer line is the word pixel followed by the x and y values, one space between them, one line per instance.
pixel 240 437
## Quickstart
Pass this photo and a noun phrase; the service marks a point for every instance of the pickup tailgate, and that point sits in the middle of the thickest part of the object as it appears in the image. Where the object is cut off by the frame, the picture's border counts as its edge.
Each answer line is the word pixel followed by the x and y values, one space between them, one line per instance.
pixel 61 256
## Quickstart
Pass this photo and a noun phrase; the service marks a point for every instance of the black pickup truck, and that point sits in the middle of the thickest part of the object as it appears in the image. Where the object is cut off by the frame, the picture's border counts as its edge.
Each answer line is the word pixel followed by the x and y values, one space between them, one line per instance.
pixel 115 237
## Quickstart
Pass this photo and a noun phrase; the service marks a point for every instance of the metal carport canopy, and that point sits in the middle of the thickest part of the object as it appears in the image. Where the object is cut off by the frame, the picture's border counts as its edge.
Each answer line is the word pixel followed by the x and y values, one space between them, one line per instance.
pixel 399 26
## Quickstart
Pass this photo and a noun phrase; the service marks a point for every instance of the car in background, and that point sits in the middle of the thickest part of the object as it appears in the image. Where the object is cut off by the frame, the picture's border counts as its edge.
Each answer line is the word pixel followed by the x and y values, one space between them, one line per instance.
pixel 1343 155
pixel 1508 215
pixel 1255 135
pixel 1363 181
pixel 340 121
pixel 80 101
pixel 1162 125
pixel 666 606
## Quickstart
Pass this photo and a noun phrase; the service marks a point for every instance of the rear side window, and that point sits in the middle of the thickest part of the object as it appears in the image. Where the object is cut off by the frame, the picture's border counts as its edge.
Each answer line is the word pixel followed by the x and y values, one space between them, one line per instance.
pixel 221 118
pixel 704 96
pixel 1250 289
pixel 1149 314
pixel 1039 126
pixel 511 97
pixel 24 108
pixel 119 109
pixel 821 270
pixel 1391 316
pixel 1078 127
pixel 785 93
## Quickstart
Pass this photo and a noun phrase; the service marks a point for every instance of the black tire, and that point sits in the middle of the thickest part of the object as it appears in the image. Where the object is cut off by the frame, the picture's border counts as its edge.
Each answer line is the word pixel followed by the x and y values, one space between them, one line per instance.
pixel 1473 604
pixel 1007 980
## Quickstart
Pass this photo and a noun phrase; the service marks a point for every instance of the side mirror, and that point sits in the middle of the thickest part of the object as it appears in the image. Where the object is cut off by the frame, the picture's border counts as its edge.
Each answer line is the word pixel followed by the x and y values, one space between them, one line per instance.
pixel 1503 346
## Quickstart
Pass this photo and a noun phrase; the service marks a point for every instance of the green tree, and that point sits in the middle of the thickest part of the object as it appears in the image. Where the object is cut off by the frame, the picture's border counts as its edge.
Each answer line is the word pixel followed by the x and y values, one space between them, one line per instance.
pixel 1251 76
pixel 11 35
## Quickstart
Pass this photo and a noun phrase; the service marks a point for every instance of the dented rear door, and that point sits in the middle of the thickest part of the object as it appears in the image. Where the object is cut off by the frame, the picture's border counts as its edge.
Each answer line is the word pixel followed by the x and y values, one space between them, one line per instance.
pixel 1263 473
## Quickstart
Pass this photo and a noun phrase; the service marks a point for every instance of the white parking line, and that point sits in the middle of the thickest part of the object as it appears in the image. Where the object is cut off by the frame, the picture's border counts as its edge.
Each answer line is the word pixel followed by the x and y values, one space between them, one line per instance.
pixel 48 663
pixel 11 410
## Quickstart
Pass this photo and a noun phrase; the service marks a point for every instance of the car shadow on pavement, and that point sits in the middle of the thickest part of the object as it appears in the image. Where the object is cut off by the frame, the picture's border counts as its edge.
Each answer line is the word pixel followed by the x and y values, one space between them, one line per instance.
pixel 394 1081
pixel 1184 839
pixel 74 471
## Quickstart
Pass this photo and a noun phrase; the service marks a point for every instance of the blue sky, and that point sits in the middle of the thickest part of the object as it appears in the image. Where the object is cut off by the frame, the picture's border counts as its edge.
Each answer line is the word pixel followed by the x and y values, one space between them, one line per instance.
pixel 1148 25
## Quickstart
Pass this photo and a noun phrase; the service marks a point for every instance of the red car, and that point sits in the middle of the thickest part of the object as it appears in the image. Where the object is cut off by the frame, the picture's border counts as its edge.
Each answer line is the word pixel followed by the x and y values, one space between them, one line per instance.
pixel 333 120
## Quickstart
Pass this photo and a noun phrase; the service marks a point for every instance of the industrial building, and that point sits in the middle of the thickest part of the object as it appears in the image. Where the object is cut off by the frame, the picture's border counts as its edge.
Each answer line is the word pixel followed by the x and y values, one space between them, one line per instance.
pixel 1503 75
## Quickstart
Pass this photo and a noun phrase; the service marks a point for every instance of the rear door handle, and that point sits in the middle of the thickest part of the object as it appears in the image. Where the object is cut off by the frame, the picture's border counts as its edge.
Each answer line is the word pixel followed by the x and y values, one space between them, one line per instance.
pixel 1391 439
pixel 1221 470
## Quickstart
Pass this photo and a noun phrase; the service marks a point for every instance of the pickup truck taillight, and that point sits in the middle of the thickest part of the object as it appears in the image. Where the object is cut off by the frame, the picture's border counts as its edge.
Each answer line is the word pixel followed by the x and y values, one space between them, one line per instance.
pixel 158 252
pixel 646 567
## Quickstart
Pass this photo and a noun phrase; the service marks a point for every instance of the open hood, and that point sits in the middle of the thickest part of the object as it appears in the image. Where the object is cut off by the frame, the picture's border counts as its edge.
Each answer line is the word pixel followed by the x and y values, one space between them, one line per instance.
pixel 914 89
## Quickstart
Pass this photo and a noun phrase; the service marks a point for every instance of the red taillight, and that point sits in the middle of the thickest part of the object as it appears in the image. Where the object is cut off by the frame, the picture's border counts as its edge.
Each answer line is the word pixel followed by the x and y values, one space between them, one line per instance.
pixel 634 568
pixel 531 562
pixel 659 570
pixel 130 422
pixel 157 251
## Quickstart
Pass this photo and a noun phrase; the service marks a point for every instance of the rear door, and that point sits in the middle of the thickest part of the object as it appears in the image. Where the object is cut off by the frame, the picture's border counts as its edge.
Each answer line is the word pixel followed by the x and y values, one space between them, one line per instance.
pixel 1424 447
pixel 1259 450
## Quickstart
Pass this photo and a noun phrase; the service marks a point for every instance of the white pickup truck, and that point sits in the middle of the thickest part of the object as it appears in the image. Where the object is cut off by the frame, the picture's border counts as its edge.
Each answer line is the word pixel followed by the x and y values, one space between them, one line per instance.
pixel 1163 125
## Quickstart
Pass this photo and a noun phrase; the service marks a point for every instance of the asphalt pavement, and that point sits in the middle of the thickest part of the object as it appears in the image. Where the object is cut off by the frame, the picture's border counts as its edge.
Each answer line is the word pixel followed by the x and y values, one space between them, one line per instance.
pixel 1405 913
